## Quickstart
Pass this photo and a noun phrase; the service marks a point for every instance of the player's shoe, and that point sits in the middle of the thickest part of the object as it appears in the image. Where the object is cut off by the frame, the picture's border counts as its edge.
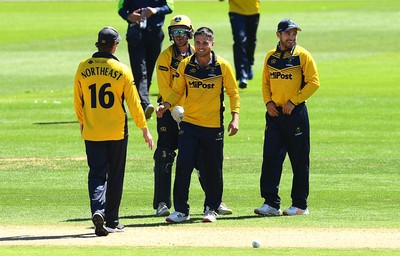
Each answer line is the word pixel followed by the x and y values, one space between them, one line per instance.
pixel 210 215
pixel 118 228
pixel 162 210
pixel 243 83
pixel 295 211
pixel 99 228
pixel 223 209
pixel 267 210
pixel 177 217
pixel 148 111
pixel 251 74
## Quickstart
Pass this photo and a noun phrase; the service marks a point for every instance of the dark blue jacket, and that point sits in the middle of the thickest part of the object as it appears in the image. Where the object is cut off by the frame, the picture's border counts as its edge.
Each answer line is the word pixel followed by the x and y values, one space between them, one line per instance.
pixel 163 7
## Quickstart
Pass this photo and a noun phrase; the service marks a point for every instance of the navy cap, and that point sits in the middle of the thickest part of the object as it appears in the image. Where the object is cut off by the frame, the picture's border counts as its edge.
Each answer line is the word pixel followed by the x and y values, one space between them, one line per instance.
pixel 287 24
pixel 107 37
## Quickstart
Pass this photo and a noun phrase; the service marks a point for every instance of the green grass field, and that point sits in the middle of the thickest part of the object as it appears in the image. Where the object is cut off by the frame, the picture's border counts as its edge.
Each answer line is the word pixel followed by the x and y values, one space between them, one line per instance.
pixel 355 160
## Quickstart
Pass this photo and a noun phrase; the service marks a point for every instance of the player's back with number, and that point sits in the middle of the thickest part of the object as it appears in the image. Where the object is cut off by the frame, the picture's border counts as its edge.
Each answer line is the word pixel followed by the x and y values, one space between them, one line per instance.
pixel 104 84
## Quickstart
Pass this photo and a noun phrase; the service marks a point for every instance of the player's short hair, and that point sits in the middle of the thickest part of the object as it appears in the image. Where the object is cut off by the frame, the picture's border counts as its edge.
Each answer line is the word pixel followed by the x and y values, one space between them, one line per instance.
pixel 205 31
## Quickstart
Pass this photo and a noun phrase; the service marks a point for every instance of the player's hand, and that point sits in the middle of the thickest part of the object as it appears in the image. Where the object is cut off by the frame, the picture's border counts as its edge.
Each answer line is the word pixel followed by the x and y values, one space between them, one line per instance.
pixel 271 109
pixel 135 16
pixel 233 126
pixel 150 11
pixel 162 108
pixel 148 138
pixel 288 108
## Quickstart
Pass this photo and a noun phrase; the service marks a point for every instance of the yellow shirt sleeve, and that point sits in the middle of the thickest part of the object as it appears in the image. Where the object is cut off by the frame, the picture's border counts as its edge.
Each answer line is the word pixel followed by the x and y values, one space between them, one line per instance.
pixel 311 78
pixel 133 100
pixel 164 73
pixel 231 87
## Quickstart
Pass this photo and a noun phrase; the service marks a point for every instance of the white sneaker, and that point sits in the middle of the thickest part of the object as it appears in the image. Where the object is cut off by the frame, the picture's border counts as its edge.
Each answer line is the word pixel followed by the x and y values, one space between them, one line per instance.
pixel 162 210
pixel 223 209
pixel 265 209
pixel 177 217
pixel 210 216
pixel 295 211
pixel 118 228
pixel 148 111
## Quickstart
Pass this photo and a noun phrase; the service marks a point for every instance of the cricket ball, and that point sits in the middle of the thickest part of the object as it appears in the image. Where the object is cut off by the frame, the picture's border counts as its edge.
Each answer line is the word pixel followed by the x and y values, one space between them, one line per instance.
pixel 255 244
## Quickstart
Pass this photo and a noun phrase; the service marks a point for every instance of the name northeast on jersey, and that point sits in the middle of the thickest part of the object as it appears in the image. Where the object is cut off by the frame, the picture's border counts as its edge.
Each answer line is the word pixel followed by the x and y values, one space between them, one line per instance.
pixel 100 71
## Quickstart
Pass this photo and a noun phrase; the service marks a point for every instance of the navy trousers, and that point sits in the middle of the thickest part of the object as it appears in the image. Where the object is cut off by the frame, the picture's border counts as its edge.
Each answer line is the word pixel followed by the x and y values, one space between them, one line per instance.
pixel 286 134
pixel 106 160
pixel 144 46
pixel 210 142
pixel 244 30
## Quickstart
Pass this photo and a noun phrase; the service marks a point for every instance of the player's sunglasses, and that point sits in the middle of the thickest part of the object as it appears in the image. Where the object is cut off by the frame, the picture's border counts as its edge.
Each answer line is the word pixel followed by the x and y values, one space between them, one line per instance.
pixel 179 32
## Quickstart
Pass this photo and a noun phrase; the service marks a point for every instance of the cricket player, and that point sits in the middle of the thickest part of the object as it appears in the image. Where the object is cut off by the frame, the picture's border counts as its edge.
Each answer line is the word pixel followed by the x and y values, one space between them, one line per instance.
pixel 180 31
pixel 102 85
pixel 289 78
pixel 244 17
pixel 202 79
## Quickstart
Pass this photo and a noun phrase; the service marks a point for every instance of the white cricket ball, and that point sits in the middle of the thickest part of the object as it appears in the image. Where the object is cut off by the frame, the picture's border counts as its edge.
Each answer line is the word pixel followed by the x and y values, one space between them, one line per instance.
pixel 255 244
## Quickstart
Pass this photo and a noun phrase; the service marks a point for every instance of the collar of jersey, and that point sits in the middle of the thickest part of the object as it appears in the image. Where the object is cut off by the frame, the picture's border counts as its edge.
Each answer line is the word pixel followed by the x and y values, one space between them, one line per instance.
pixel 212 59
pixel 178 53
pixel 104 55
pixel 278 48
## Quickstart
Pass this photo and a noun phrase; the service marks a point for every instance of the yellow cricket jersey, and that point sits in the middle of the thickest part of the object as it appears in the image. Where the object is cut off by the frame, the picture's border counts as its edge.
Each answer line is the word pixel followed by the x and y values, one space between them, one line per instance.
pixel 102 84
pixel 203 89
pixel 244 7
pixel 167 63
pixel 289 75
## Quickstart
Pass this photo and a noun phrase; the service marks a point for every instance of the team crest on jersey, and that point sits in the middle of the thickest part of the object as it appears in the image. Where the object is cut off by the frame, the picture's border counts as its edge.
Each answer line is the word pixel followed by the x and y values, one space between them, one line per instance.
pixel 289 62
pixel 211 71
pixel 192 70
pixel 273 61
